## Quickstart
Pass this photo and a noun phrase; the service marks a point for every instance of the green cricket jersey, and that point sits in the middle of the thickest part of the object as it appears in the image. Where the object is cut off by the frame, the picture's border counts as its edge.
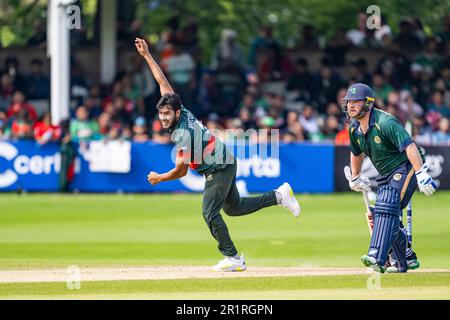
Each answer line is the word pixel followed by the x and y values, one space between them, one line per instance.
pixel 384 143
pixel 204 152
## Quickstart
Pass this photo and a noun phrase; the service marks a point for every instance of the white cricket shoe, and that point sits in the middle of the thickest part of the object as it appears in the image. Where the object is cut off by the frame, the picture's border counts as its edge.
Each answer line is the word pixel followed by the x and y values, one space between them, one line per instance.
pixel 229 264
pixel 288 200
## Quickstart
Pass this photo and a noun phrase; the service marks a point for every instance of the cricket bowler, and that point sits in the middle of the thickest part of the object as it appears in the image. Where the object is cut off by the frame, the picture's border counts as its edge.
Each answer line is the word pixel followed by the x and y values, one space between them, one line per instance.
pixel 198 149
pixel 381 137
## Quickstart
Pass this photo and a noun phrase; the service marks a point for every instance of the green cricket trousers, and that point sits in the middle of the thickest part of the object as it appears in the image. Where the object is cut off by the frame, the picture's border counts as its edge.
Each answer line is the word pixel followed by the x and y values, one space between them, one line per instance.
pixel 221 193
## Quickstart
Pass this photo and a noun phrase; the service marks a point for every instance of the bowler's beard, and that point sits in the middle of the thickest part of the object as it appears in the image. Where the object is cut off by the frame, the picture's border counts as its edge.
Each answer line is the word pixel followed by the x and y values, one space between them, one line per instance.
pixel 175 122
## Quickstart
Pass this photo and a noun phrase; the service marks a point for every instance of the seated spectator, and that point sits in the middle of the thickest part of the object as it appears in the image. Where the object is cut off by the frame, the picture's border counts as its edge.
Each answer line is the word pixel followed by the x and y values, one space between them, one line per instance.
pixel 140 133
pixel 430 59
pixel 94 107
pixel 180 69
pixel 247 119
pixel 308 121
pixel 336 48
pixel 330 128
pixel 21 125
pixel 380 88
pixel 420 132
pixel 407 39
pixel 408 106
pixel 358 36
pixel 437 104
pixel 228 53
pixel 82 129
pixel 3 124
pixel 104 124
pixel 37 83
pixel 44 131
pixel 159 135
pixel 442 137
pixel 328 83
pixel 6 90
pixel 384 30
pixel 343 136
pixel 19 103
pixel 293 130
pixel 276 66
pixel 309 39
pixel 12 68
pixel 301 82
pixel 259 45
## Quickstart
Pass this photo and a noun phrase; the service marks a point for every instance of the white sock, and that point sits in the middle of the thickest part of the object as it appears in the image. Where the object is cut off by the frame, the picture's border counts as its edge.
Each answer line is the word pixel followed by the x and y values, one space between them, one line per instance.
pixel 278 195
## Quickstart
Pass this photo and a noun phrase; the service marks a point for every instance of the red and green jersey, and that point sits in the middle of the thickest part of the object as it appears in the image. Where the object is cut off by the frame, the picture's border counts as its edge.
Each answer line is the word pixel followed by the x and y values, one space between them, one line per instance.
pixel 384 142
pixel 204 152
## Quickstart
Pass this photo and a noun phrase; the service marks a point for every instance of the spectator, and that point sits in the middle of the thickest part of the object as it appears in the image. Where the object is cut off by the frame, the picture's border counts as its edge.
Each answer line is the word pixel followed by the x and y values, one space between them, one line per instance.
pixel 380 88
pixel 328 84
pixel 407 38
pixel 159 135
pixel 343 136
pixel 330 128
pixel 21 125
pixel 37 83
pixel 6 90
pixel 181 71
pixel 293 131
pixel 104 124
pixel 12 68
pixel 308 121
pixel 337 48
pixel 309 39
pixel 3 124
pixel 19 103
pixel 140 133
pixel 228 54
pixel 437 104
pixel 259 45
pixel 246 118
pixel 358 36
pixel 276 66
pixel 301 82
pixel 429 59
pixel 443 37
pixel 408 106
pixel 384 30
pixel 442 137
pixel 82 129
pixel 44 131
pixel 394 66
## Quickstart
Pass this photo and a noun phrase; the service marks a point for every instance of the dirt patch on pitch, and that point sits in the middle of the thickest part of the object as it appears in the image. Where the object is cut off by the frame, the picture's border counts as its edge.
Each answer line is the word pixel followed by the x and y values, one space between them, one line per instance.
pixel 171 272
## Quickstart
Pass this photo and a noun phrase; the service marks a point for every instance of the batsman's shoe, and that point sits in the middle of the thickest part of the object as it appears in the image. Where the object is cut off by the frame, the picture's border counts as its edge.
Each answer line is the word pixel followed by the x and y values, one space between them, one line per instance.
pixel 394 270
pixel 288 200
pixel 371 262
pixel 229 264
pixel 413 264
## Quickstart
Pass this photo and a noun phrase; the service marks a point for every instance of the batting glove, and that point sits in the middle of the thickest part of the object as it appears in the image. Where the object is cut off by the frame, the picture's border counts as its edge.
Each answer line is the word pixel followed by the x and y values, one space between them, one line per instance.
pixel 358 183
pixel 425 182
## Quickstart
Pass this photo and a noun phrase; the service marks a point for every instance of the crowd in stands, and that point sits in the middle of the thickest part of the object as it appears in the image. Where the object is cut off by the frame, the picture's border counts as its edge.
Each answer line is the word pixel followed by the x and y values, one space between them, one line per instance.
pixel 266 89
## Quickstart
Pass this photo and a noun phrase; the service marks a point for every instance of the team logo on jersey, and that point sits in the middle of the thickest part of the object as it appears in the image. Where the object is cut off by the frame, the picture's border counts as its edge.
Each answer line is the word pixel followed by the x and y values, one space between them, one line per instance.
pixel 397 177
pixel 377 139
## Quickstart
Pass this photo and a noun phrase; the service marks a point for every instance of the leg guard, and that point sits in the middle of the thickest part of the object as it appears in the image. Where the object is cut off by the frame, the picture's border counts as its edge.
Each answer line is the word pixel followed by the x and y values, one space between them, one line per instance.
pixel 399 252
pixel 386 224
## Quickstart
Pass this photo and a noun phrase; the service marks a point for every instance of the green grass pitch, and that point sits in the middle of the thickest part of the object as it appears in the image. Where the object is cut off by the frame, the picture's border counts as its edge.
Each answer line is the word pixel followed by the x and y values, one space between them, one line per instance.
pixel 46 231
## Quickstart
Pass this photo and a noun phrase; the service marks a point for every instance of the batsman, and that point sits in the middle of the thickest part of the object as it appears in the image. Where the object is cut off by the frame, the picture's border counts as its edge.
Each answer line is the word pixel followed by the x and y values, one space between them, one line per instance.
pixel 400 164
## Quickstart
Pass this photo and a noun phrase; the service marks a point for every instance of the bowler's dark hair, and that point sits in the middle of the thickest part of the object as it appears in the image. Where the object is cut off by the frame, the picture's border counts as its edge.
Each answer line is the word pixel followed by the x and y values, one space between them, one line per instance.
pixel 171 99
